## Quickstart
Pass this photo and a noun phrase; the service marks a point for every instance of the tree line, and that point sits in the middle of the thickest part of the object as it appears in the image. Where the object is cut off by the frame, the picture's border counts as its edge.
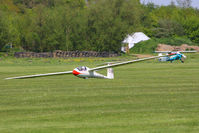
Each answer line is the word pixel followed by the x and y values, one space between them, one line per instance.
pixel 90 25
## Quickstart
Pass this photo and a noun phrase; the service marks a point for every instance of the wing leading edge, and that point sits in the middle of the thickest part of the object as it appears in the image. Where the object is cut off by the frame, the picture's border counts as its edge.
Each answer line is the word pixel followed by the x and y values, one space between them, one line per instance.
pixel 123 63
pixel 41 75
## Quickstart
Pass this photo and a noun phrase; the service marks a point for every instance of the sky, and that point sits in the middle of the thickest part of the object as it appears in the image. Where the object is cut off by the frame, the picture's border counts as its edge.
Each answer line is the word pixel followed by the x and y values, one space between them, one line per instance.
pixel 195 3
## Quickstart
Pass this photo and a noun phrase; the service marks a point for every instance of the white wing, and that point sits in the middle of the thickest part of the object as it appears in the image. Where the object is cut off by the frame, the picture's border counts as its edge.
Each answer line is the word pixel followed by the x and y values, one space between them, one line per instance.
pixel 40 75
pixel 123 63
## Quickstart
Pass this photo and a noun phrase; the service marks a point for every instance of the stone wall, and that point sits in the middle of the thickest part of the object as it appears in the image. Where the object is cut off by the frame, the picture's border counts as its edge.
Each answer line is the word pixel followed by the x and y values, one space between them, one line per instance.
pixel 64 54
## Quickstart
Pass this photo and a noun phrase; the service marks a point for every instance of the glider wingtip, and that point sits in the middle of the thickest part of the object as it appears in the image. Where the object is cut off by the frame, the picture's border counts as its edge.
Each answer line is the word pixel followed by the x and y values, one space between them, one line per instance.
pixel 7 78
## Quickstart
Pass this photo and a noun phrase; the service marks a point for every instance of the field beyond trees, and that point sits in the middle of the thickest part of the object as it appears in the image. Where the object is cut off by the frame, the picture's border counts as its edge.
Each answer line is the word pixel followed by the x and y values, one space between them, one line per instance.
pixel 144 97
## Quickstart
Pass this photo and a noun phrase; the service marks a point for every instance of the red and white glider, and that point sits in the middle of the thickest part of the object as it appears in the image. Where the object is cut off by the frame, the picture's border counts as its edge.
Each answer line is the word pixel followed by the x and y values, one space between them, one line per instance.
pixel 85 72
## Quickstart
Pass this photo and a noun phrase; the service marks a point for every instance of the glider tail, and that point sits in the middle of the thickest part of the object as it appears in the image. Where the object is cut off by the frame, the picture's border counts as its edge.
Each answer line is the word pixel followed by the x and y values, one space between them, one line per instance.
pixel 110 74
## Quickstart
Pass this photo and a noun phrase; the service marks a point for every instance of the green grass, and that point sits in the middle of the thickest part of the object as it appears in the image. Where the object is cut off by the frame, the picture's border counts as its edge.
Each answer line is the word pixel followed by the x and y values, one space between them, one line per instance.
pixel 145 97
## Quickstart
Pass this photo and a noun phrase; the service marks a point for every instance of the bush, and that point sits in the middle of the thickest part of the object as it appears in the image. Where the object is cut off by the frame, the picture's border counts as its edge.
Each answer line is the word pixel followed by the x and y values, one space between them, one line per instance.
pixel 145 47
pixel 175 41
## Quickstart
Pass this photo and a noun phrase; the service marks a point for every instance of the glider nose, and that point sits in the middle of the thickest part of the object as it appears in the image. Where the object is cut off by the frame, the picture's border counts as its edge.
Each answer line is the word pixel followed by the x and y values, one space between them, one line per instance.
pixel 75 72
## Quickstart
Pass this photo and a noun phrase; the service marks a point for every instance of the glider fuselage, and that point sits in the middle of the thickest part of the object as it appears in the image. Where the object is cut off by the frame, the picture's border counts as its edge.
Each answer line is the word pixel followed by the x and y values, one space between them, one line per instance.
pixel 83 72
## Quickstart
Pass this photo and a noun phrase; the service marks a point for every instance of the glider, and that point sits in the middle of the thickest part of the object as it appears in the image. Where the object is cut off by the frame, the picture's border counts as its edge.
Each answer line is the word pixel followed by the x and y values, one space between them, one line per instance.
pixel 85 72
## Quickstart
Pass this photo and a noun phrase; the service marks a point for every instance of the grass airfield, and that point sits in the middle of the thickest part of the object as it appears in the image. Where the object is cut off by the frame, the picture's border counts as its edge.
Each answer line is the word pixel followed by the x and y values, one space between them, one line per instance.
pixel 145 97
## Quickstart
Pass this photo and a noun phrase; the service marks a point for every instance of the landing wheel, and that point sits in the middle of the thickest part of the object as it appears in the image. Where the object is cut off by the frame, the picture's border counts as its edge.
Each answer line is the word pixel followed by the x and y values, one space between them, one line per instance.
pixel 182 60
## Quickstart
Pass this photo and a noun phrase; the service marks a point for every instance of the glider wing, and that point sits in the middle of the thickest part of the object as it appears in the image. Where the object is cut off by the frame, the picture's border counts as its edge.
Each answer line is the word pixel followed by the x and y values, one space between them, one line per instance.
pixel 123 63
pixel 41 75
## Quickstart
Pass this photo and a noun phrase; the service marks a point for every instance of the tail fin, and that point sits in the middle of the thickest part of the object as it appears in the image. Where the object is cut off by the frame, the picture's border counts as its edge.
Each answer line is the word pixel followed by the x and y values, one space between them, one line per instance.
pixel 110 74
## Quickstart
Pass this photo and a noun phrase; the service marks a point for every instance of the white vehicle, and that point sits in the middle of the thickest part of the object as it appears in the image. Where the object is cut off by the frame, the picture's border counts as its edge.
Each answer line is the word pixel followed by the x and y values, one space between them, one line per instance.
pixel 85 72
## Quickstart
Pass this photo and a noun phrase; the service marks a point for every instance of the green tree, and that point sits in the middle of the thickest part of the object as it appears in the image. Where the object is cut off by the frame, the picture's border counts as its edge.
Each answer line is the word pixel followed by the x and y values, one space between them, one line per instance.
pixel 192 28
pixel 3 33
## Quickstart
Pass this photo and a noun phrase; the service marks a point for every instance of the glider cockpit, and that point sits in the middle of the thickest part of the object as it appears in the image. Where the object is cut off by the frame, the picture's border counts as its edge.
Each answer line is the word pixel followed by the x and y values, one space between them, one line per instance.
pixel 82 68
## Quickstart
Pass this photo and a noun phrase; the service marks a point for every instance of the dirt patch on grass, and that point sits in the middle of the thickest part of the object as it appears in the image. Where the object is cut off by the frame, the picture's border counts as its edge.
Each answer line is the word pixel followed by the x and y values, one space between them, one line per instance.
pixel 183 47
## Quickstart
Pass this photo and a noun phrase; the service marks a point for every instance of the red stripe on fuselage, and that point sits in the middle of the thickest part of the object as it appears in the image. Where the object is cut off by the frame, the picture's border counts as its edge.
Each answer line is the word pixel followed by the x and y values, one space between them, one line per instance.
pixel 76 72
